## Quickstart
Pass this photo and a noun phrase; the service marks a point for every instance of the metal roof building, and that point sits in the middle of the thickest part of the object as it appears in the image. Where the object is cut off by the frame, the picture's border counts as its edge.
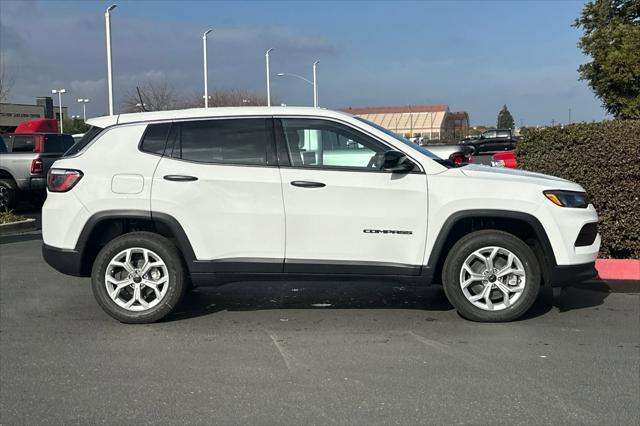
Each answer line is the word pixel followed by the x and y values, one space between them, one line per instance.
pixel 431 122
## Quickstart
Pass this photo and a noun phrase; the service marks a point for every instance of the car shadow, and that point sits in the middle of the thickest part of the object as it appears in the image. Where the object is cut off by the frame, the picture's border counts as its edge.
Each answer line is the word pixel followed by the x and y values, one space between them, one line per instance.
pixel 252 296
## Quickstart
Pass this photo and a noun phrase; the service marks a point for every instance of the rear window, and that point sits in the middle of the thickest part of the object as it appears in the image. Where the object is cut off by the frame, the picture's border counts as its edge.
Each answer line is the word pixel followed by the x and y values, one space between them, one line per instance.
pixel 155 138
pixel 86 140
pixel 23 143
pixel 57 143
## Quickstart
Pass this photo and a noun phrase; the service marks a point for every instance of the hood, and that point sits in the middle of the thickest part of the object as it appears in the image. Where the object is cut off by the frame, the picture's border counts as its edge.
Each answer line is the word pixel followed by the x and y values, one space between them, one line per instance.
pixel 501 173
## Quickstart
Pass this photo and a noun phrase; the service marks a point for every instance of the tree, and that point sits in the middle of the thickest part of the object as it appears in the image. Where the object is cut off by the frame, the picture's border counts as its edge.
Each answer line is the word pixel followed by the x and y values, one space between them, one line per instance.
pixel 612 39
pixel 505 119
pixel 75 125
pixel 156 95
pixel 225 98
pixel 160 96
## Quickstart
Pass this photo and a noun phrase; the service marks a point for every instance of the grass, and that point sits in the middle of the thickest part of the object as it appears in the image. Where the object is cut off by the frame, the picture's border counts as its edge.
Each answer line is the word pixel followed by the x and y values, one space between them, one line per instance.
pixel 9 217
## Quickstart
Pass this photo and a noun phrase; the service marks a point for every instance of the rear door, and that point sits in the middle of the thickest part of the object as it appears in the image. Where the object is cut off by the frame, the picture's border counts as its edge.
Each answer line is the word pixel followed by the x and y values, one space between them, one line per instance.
pixel 219 179
pixel 343 213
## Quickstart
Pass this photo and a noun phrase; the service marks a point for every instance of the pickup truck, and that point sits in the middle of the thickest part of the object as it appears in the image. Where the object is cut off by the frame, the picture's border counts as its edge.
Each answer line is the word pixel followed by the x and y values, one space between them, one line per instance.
pixel 25 159
pixel 489 143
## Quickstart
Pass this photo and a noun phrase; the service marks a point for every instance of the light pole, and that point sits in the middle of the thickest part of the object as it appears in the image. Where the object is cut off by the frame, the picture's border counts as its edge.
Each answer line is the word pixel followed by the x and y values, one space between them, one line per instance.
pixel 266 57
pixel 312 83
pixel 60 92
pixel 204 52
pixel 107 22
pixel 315 85
pixel 84 103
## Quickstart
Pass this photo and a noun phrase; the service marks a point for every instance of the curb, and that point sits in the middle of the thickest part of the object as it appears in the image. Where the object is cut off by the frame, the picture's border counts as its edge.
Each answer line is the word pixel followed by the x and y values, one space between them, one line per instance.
pixel 17 227
pixel 618 269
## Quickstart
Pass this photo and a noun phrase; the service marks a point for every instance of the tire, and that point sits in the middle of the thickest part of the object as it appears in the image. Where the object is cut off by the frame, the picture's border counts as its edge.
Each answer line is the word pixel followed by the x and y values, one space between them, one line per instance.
pixel 509 295
pixel 160 295
pixel 8 194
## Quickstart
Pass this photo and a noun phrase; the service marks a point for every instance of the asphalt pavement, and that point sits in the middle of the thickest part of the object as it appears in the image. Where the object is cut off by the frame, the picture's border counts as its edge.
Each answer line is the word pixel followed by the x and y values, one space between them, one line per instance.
pixel 309 353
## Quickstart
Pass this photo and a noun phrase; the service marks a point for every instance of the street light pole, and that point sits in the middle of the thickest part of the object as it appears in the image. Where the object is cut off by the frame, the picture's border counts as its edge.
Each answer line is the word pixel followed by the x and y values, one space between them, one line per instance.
pixel 312 83
pixel 266 57
pixel 60 92
pixel 107 20
pixel 315 85
pixel 84 108
pixel 204 50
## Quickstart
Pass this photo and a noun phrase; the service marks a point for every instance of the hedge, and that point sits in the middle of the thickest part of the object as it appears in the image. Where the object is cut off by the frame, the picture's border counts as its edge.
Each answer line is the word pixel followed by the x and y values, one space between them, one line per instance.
pixel 605 159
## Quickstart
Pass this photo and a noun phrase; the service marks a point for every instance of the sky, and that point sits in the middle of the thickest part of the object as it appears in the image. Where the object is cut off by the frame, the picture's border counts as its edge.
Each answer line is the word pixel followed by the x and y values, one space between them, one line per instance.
pixel 474 56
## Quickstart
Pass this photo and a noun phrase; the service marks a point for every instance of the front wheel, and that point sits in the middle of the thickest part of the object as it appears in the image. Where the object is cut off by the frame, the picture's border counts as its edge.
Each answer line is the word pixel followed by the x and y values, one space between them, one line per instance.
pixel 491 276
pixel 138 278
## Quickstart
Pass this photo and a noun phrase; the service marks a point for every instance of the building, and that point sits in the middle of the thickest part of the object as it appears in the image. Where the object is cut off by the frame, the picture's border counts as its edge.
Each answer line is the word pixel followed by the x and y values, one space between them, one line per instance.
pixel 431 122
pixel 13 114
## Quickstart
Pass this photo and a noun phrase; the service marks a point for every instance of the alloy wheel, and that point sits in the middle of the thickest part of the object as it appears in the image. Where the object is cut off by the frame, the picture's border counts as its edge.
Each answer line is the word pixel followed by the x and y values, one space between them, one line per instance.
pixel 137 279
pixel 492 278
pixel 4 198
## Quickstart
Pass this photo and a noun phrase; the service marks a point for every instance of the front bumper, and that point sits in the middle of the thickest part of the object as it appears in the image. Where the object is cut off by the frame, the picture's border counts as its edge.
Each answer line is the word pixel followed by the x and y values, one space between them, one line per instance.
pixel 567 275
pixel 64 260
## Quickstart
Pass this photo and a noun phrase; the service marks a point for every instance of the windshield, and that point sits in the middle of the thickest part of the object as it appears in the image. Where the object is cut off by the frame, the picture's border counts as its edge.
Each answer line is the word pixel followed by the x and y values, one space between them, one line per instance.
pixel 405 141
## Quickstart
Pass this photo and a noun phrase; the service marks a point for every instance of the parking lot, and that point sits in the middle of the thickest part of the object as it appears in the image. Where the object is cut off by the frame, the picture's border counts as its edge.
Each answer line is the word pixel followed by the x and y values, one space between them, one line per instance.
pixel 306 352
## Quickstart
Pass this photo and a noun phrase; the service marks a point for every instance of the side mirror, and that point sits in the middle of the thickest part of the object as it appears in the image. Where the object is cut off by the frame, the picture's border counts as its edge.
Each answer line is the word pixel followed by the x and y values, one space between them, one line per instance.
pixel 397 162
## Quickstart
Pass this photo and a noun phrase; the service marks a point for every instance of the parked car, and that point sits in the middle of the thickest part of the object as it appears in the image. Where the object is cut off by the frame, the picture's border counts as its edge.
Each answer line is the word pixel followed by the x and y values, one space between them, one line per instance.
pixel 504 159
pixel 25 162
pixel 490 142
pixel 451 152
pixel 149 204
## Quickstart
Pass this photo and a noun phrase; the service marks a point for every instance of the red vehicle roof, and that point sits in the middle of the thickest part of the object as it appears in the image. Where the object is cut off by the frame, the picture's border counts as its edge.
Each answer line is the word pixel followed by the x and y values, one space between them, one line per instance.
pixel 41 125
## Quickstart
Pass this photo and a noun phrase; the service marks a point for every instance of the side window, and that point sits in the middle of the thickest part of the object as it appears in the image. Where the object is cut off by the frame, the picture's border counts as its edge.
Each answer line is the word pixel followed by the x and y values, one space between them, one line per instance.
pixel 325 144
pixel 3 145
pixel 155 138
pixel 233 141
pixel 23 143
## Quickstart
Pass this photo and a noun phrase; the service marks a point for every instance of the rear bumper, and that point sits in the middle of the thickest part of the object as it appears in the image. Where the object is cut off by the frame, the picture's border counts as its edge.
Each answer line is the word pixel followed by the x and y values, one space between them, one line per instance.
pixel 567 275
pixel 64 260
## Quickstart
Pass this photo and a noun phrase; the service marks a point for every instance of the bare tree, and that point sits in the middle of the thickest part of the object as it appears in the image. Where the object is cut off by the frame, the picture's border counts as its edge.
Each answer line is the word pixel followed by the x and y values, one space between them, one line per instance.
pixel 6 81
pixel 225 98
pixel 160 96
pixel 156 96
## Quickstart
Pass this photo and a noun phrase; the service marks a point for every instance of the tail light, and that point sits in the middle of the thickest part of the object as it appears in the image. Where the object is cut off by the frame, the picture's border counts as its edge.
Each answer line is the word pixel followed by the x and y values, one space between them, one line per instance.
pixel 39 145
pixel 36 166
pixel 62 180
pixel 457 158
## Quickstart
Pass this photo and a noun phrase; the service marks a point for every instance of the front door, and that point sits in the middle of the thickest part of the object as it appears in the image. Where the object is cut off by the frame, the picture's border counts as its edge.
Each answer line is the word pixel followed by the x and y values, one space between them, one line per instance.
pixel 220 180
pixel 343 213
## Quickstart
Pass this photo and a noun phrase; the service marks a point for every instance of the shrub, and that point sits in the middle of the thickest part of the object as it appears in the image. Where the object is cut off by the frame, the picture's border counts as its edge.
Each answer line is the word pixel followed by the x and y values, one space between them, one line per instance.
pixel 605 159
pixel 9 217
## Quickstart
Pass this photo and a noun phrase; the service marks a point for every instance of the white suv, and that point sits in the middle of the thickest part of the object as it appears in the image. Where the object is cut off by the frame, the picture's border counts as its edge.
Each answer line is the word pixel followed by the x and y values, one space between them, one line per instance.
pixel 151 204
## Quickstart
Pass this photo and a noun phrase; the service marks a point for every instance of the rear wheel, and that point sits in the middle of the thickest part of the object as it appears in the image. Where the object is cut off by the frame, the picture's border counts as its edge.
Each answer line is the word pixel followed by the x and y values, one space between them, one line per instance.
pixel 7 195
pixel 491 275
pixel 138 278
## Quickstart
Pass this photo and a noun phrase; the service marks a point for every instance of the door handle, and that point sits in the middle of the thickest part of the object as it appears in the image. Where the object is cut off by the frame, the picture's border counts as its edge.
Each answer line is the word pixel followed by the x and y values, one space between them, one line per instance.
pixel 180 178
pixel 307 184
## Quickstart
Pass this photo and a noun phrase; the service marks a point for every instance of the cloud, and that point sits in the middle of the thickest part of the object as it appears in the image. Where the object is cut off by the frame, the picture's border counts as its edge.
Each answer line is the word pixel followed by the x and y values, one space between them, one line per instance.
pixel 67 49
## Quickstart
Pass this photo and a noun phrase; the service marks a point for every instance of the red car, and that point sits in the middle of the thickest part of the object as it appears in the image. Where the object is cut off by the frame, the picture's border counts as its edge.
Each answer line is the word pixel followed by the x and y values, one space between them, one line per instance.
pixel 504 159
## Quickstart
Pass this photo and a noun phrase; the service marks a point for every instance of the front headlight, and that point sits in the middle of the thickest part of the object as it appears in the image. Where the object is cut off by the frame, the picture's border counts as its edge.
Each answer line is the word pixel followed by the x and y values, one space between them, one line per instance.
pixel 561 198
